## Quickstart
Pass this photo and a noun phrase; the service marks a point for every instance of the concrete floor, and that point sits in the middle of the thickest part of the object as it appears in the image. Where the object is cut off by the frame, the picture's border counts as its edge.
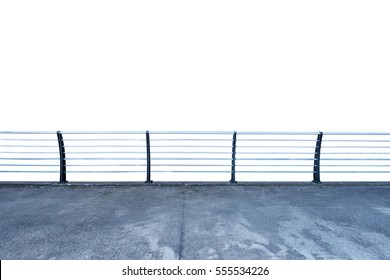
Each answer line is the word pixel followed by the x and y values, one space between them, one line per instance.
pixel 195 221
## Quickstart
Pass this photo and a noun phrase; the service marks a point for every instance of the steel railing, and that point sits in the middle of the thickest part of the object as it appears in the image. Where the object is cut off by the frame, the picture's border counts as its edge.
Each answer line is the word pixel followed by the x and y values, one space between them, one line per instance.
pixel 199 152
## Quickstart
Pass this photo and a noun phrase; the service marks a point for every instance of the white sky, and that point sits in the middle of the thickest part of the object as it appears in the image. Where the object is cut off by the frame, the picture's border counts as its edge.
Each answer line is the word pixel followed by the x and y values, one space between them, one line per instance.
pixel 195 65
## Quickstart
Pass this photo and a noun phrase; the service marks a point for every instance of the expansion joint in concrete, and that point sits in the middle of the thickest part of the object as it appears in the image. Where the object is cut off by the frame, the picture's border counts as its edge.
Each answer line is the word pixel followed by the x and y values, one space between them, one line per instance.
pixel 182 225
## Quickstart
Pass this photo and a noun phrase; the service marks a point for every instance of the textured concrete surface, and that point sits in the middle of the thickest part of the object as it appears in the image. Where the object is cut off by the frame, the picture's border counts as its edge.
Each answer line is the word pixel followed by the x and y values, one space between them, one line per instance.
pixel 189 221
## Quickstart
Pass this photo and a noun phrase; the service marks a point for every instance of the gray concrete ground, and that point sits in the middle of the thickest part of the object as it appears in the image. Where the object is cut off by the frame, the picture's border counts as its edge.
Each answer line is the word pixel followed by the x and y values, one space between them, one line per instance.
pixel 215 221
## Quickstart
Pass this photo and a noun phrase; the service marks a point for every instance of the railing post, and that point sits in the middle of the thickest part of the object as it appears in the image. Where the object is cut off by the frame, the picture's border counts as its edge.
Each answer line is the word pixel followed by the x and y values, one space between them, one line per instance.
pixel 317 154
pixel 233 172
pixel 148 162
pixel 61 147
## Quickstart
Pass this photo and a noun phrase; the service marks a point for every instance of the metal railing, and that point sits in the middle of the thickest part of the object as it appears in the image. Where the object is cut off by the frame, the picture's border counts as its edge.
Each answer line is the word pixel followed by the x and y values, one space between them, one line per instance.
pixel 199 152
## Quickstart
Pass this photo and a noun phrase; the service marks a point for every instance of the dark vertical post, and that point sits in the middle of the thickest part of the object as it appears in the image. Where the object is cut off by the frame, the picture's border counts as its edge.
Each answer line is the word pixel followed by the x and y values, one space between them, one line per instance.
pixel 61 147
pixel 148 171
pixel 233 172
pixel 317 154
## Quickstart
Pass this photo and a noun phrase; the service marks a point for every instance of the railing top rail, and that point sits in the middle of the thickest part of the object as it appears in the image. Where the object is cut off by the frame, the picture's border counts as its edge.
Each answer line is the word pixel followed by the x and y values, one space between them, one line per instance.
pixel 199 132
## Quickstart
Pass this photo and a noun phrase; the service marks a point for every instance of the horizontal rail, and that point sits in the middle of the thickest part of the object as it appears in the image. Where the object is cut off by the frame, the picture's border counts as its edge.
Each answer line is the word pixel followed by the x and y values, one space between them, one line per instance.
pixel 103 132
pixel 28 132
pixel 274 140
pixel 20 164
pixel 359 140
pixel 28 152
pixel 355 153
pixel 26 139
pixel 356 147
pixel 274 153
pixel 103 139
pixel 154 158
pixel 356 165
pixel 55 158
pixel 103 146
pixel 190 139
pixel 275 133
pixel 278 147
pixel 201 152
pixel 355 171
pixel 30 146
pixel 185 171
pixel 28 171
pixel 283 159
pixel 341 159
pixel 190 146
pixel 359 133
pixel 156 164
pixel 158 152
pixel 200 132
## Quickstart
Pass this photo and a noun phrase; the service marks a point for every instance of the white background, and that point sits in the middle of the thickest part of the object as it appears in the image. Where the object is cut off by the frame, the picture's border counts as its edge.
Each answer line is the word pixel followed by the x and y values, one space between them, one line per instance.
pixel 195 65
pixel 319 269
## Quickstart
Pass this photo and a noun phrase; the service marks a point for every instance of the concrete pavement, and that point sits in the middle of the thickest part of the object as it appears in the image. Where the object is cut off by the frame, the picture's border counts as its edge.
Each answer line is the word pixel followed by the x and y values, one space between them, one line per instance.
pixel 195 221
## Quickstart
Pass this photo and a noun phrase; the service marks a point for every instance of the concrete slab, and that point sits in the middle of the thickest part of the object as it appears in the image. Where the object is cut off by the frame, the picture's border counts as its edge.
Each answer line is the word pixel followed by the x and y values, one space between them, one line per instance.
pixel 195 221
